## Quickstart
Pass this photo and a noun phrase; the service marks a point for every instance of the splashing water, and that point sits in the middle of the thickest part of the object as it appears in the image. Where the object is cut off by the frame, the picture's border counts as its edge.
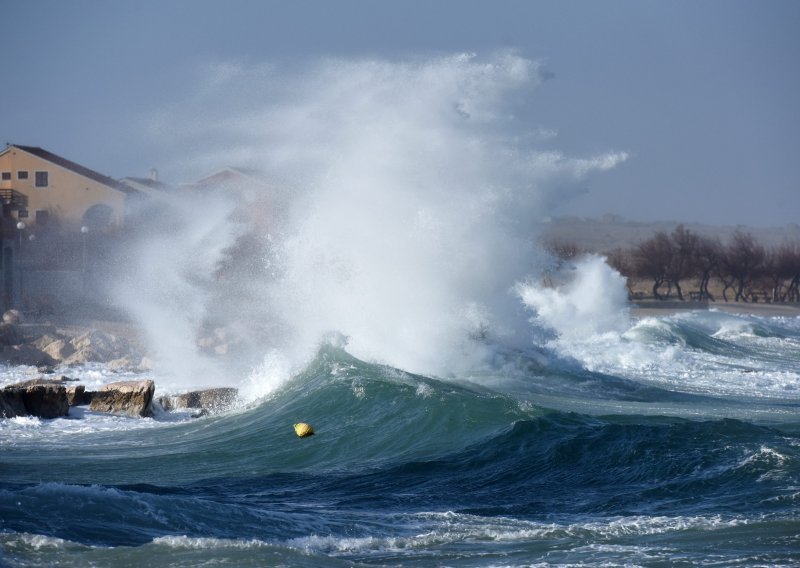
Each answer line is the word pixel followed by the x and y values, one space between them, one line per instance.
pixel 416 195
pixel 592 303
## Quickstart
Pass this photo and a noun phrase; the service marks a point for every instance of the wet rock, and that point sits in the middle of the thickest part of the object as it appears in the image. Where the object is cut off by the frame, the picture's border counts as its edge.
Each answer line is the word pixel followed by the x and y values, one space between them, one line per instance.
pixel 54 380
pixel 25 354
pixel 207 400
pixel 76 395
pixel 131 398
pixel 11 403
pixel 40 398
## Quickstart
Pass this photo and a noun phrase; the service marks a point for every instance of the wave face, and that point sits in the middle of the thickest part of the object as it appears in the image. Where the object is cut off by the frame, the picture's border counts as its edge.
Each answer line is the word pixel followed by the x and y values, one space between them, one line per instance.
pixel 689 457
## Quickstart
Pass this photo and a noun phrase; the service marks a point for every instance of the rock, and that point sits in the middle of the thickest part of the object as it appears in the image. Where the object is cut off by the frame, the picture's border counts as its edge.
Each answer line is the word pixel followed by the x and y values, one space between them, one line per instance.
pixel 209 400
pixel 132 398
pixel 97 346
pixel 76 395
pixel 221 341
pixel 41 398
pixel 12 316
pixel 45 339
pixel 9 334
pixel 59 349
pixel 36 382
pixel 26 354
pixel 11 403
pixel 82 356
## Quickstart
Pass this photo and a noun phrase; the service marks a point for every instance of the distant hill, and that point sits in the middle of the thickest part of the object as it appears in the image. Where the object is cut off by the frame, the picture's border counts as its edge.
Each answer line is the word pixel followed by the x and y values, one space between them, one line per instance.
pixel 609 232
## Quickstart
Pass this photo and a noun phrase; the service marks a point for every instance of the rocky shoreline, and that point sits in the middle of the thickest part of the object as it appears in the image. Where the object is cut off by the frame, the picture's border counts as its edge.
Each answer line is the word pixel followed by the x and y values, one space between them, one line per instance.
pixel 53 397
pixel 46 346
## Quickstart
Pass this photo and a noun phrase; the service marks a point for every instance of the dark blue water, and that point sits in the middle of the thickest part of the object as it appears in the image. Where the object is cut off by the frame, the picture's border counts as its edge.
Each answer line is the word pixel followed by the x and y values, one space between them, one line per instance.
pixel 642 467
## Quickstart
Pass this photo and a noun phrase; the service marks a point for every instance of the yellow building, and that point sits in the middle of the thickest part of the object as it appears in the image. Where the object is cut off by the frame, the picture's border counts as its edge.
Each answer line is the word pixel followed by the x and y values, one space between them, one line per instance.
pixel 38 187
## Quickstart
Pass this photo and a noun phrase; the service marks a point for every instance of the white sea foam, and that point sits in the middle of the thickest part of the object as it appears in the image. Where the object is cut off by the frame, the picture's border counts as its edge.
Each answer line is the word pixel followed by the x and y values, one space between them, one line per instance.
pixel 201 543
pixel 441 529
pixel 696 352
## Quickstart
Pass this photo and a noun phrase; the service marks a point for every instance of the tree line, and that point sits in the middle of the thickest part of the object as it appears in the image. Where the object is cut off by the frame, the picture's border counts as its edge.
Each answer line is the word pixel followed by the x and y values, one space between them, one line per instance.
pixel 740 269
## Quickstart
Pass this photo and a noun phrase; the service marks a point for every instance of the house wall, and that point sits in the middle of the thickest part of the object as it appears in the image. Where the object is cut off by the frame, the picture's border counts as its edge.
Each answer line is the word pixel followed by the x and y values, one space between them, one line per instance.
pixel 67 196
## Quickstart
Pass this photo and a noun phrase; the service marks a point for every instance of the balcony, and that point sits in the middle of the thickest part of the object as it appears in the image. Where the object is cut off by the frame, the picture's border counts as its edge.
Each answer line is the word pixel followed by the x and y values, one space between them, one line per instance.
pixel 13 199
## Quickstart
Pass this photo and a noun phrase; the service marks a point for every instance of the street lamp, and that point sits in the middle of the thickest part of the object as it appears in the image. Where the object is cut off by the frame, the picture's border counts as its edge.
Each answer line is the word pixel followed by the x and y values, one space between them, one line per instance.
pixel 21 228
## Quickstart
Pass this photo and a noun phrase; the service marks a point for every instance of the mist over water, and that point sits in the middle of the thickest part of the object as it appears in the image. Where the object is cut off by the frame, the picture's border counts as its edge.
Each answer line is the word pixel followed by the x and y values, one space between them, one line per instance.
pixel 412 194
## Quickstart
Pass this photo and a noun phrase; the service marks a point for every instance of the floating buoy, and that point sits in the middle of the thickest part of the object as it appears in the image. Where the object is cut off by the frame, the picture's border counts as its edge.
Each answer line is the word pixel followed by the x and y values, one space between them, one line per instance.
pixel 303 430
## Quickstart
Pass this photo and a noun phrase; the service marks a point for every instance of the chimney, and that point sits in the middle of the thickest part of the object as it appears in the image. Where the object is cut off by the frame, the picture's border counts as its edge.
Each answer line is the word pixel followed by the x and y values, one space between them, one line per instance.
pixel 153 174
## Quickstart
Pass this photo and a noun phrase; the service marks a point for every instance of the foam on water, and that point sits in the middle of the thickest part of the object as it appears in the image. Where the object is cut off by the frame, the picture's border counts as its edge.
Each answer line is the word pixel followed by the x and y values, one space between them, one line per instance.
pixel 702 352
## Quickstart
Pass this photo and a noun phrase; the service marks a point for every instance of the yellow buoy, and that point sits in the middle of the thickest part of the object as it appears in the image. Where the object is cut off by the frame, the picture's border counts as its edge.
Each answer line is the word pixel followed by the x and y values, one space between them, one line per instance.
pixel 303 430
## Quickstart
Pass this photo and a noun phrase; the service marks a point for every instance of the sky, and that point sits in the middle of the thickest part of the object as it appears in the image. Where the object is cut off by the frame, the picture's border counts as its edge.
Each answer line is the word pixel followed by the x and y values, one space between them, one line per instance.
pixel 702 96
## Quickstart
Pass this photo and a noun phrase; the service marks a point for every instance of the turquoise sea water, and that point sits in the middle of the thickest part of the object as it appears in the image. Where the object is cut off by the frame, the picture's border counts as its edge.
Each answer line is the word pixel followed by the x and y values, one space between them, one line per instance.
pixel 673 443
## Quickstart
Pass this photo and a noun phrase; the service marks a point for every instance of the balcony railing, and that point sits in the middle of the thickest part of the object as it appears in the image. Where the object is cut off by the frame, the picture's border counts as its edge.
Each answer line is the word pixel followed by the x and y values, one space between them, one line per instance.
pixel 13 198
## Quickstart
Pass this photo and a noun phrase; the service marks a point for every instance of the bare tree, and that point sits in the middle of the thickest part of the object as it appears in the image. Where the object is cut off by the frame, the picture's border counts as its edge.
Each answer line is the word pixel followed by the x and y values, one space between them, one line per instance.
pixel 708 253
pixel 741 264
pixel 788 267
pixel 682 261
pixel 652 258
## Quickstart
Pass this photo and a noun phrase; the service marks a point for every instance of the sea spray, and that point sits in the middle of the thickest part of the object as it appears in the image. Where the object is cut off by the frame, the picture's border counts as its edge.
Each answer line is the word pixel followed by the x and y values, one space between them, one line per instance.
pixel 591 301
pixel 167 282
pixel 420 208
pixel 414 191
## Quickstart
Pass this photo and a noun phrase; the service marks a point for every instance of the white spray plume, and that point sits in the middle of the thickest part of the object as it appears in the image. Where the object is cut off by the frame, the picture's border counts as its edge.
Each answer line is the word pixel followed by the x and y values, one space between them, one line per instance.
pixel 417 196
pixel 167 283
pixel 591 302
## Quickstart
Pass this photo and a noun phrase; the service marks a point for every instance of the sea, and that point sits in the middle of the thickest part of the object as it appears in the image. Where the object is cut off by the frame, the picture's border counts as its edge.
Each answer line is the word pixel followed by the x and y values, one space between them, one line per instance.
pixel 674 441
pixel 475 402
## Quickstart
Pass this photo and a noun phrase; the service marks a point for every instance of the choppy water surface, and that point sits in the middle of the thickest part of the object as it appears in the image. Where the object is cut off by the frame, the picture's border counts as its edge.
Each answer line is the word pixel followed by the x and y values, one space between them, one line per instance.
pixel 674 442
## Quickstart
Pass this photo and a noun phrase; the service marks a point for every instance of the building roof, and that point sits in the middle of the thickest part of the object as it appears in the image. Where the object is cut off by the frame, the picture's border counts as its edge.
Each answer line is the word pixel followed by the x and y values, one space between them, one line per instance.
pixel 232 176
pixel 76 168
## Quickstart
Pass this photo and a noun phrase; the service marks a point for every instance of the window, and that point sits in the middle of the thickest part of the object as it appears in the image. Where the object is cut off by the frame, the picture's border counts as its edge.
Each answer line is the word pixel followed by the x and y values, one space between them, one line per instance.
pixel 6 176
pixel 41 179
pixel 22 174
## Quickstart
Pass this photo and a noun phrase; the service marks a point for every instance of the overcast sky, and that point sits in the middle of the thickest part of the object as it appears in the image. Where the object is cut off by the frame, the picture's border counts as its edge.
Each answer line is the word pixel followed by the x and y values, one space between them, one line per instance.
pixel 703 97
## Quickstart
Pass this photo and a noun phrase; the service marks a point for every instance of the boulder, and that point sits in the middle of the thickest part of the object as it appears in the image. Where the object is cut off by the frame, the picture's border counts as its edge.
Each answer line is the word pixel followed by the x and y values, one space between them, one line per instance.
pixel 54 380
pixel 40 398
pixel 12 316
pixel 11 403
pixel 45 339
pixel 9 334
pixel 25 354
pixel 131 398
pixel 209 400
pixel 76 395
pixel 59 349
pixel 130 363
pixel 97 346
